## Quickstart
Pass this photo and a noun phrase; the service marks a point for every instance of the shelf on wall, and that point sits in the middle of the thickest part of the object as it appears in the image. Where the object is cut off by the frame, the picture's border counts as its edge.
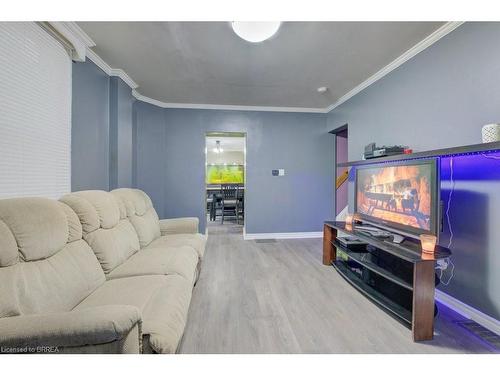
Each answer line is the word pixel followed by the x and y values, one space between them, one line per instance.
pixel 451 151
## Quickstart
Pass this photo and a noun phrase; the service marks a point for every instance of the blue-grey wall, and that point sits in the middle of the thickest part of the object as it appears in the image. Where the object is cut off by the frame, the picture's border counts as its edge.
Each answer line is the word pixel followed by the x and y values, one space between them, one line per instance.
pixel 150 164
pixel 101 131
pixel 441 98
pixel 89 128
pixel 118 142
pixel 120 125
pixel 170 164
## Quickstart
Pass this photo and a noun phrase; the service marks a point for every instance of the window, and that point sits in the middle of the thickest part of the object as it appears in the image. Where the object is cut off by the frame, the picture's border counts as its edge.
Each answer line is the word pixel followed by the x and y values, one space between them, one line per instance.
pixel 35 112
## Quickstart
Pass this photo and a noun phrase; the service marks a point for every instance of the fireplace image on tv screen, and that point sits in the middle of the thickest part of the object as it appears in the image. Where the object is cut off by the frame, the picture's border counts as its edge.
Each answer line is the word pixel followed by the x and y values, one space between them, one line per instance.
pixel 401 194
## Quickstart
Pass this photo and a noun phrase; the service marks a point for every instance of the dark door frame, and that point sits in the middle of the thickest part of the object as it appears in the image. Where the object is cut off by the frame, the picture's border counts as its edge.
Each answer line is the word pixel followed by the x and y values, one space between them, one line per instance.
pixel 340 129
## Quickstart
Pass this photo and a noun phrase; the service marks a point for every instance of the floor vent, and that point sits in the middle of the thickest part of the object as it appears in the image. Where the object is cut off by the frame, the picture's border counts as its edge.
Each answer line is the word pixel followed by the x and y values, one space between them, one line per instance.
pixel 483 333
pixel 269 240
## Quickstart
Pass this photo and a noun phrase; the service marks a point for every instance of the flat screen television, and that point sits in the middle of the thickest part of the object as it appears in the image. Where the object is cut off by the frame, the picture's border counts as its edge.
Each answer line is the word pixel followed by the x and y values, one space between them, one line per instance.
pixel 402 197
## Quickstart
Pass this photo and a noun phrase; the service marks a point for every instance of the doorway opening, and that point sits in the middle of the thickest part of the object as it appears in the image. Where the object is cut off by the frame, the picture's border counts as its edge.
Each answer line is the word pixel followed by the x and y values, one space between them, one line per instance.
pixel 225 181
pixel 341 173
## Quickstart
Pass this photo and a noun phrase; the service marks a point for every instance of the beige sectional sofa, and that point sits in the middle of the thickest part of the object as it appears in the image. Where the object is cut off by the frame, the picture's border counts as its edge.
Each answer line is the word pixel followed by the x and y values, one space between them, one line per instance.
pixel 96 272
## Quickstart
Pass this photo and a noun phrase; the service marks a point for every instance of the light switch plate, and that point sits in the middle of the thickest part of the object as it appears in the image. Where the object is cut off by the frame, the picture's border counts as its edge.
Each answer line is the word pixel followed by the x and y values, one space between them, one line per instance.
pixel 281 172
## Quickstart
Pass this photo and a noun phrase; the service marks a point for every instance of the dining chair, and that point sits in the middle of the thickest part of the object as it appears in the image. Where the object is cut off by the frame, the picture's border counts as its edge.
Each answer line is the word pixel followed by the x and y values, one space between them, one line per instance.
pixel 240 203
pixel 229 201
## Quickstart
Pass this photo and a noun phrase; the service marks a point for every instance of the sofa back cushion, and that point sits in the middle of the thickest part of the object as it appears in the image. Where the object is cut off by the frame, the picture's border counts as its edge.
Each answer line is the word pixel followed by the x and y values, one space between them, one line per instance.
pixel 45 266
pixel 141 214
pixel 105 225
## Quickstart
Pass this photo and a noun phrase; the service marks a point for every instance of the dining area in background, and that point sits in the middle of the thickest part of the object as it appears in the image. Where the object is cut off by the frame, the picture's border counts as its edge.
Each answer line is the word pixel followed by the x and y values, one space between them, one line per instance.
pixel 225 178
pixel 226 201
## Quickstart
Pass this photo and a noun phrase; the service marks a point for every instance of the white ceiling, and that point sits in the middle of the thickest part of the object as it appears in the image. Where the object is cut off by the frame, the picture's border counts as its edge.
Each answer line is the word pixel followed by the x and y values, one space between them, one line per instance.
pixel 206 63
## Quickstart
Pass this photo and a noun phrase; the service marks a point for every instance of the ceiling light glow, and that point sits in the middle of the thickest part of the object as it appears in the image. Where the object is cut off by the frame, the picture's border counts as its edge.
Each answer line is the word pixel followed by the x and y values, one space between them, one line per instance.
pixel 217 149
pixel 255 32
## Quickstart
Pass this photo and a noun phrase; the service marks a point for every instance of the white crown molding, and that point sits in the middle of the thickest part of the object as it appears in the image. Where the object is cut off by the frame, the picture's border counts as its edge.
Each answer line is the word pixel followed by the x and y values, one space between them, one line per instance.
pixel 96 59
pixel 82 44
pixel 417 48
pixel 112 72
pixel 78 33
pixel 224 107
pixel 76 36
pixel 281 236
pixel 125 78
pixel 468 311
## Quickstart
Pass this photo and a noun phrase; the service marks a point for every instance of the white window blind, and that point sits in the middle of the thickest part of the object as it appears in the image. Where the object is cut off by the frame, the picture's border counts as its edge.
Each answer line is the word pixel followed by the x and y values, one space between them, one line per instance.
pixel 35 112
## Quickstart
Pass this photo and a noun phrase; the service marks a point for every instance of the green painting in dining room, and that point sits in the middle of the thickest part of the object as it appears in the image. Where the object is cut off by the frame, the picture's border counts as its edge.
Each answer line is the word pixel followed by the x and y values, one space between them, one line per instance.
pixel 225 174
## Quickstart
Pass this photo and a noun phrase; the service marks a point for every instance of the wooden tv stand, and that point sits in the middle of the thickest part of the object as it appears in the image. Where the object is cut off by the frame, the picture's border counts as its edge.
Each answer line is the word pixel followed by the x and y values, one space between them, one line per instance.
pixel 397 277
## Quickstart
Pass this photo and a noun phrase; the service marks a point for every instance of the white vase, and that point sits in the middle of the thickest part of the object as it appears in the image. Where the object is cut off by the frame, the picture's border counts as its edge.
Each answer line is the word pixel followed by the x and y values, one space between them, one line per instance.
pixel 491 133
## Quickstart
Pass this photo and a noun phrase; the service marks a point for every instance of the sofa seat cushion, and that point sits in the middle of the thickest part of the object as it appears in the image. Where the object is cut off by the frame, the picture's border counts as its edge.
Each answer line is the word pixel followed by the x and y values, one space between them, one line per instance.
pixel 197 241
pixel 159 261
pixel 163 302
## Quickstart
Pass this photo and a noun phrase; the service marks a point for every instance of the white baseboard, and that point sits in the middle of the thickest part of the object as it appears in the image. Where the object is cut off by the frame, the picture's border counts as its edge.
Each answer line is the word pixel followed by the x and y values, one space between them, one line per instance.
pixel 468 311
pixel 281 236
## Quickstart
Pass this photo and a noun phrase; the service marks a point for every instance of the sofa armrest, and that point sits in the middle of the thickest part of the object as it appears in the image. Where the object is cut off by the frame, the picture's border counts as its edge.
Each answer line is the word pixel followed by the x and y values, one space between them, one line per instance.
pixel 91 326
pixel 182 225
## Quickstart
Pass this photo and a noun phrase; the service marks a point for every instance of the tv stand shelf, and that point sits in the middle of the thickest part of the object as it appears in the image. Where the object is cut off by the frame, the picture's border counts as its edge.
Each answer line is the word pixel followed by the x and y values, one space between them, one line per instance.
pixel 398 311
pixel 397 277
pixel 362 258
pixel 408 250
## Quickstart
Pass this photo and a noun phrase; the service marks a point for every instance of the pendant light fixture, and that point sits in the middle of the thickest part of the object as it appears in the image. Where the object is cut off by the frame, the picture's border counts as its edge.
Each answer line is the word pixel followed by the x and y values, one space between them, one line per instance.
pixel 218 149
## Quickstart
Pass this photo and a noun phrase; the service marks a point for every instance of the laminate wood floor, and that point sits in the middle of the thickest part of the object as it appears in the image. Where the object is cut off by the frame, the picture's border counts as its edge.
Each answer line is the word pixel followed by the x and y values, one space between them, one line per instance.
pixel 278 298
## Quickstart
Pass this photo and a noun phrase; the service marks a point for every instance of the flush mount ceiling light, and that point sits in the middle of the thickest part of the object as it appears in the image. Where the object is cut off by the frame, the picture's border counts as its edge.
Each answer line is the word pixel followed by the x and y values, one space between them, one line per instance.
pixel 255 32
